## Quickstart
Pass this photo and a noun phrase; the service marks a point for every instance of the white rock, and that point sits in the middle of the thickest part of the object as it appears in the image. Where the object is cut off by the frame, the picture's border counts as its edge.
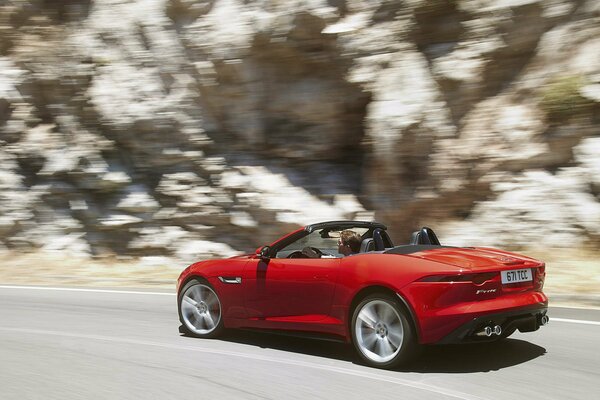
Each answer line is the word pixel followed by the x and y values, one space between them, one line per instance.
pixel 158 261
pixel 288 203
pixel 587 154
pixel 137 200
pixel 352 22
pixel 10 75
pixel 587 58
pixel 73 244
pixel 195 250
pixel 538 210
pixel 119 220
pixel 591 92
pixel 242 218
pixel 115 178
pixel 165 237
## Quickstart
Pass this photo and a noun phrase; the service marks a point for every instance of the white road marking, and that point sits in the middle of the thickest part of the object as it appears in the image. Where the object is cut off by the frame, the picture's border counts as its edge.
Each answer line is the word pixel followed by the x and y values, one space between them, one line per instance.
pixel 580 307
pixel 346 371
pixel 574 321
pixel 86 290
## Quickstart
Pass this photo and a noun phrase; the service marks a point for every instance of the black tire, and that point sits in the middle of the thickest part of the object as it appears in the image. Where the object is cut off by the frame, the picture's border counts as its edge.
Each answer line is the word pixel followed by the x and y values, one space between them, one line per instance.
pixel 200 310
pixel 381 332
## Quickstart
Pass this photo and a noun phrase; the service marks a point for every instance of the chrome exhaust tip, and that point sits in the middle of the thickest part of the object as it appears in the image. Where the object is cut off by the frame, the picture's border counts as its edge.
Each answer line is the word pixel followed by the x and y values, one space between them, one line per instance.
pixel 487 331
pixel 498 330
pixel 544 320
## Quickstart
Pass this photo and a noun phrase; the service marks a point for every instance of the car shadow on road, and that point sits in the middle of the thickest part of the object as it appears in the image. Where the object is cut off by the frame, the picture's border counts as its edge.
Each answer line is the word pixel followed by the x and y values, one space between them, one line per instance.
pixel 479 357
pixel 301 345
pixel 463 358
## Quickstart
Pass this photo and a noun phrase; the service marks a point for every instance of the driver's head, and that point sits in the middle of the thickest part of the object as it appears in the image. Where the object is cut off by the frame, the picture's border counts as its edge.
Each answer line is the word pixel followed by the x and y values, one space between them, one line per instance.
pixel 349 242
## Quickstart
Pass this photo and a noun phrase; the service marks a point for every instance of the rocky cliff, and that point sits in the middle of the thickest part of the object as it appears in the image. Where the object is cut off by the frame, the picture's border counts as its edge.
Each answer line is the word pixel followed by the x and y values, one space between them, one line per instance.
pixel 198 128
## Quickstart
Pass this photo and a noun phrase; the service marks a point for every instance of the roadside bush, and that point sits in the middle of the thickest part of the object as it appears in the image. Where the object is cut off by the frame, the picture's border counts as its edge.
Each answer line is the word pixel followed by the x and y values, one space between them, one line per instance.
pixel 561 100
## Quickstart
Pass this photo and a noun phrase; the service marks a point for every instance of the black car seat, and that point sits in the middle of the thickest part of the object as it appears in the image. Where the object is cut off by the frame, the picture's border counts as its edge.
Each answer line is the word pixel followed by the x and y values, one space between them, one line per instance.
pixel 366 245
pixel 414 239
pixel 425 236
pixel 377 237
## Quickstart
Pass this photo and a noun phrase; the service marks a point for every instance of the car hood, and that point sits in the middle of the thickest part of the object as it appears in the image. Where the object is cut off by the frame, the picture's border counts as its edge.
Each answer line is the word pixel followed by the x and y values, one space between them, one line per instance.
pixel 474 258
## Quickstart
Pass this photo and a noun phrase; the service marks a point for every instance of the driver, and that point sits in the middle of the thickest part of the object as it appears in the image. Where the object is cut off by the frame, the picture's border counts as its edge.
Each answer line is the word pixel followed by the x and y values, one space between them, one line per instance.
pixel 349 242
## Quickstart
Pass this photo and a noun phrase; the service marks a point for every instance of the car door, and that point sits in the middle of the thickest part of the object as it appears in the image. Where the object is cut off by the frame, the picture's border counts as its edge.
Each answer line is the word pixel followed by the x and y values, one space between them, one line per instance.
pixel 290 290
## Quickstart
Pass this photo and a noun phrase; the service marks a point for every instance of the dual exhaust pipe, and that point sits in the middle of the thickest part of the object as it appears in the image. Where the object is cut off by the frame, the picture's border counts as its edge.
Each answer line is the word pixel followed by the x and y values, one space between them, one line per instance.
pixel 488 331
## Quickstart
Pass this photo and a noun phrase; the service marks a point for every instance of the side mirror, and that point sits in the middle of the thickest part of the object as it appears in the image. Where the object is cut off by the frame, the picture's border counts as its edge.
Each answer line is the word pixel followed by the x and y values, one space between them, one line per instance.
pixel 264 252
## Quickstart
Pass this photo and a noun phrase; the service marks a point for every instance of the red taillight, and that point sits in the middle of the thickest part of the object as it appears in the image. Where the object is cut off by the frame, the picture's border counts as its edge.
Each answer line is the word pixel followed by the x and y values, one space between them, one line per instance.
pixel 540 276
pixel 477 279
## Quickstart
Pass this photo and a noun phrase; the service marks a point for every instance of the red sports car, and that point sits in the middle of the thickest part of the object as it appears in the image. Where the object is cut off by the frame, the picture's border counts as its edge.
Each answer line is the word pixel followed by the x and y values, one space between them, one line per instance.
pixel 384 299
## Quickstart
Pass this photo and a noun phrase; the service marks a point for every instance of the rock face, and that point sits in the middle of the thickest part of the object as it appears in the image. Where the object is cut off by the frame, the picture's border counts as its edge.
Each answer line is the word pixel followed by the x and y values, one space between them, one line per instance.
pixel 193 128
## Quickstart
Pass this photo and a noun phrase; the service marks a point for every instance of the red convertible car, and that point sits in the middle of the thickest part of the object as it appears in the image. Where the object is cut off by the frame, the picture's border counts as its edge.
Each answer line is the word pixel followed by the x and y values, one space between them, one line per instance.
pixel 384 299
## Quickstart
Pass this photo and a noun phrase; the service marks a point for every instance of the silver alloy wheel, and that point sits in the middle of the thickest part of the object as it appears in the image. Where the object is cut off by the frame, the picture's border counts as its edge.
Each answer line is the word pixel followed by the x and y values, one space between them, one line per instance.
pixel 200 309
pixel 379 331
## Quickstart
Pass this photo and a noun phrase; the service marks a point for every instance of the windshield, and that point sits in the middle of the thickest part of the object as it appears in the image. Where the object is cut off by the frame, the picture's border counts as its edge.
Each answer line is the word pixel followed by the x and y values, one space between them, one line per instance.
pixel 326 241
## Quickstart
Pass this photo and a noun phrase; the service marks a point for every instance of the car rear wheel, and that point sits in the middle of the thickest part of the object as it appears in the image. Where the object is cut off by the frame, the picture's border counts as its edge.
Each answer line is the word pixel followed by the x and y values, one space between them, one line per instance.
pixel 381 332
pixel 200 310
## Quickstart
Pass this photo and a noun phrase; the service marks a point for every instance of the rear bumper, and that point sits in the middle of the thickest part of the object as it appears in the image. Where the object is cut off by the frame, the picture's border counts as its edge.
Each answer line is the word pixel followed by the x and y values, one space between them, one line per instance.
pixel 525 319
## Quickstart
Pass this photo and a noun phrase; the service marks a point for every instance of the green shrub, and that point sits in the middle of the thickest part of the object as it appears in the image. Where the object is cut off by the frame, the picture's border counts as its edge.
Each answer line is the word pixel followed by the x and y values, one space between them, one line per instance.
pixel 561 99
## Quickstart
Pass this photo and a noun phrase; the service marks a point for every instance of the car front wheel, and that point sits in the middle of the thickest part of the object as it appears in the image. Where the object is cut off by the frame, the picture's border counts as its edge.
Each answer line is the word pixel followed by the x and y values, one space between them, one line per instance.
pixel 200 310
pixel 381 333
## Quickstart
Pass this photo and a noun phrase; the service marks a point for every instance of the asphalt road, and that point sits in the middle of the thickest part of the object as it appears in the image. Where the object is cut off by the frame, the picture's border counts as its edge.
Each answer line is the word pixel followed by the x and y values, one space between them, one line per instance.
pixel 57 344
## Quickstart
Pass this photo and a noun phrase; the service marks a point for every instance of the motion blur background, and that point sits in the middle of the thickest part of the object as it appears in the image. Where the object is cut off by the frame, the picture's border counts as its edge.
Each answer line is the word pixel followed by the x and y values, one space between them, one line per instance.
pixel 141 135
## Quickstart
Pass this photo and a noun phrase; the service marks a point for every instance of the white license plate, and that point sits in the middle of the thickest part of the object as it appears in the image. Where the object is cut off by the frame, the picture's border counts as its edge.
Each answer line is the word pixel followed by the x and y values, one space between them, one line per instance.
pixel 516 275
